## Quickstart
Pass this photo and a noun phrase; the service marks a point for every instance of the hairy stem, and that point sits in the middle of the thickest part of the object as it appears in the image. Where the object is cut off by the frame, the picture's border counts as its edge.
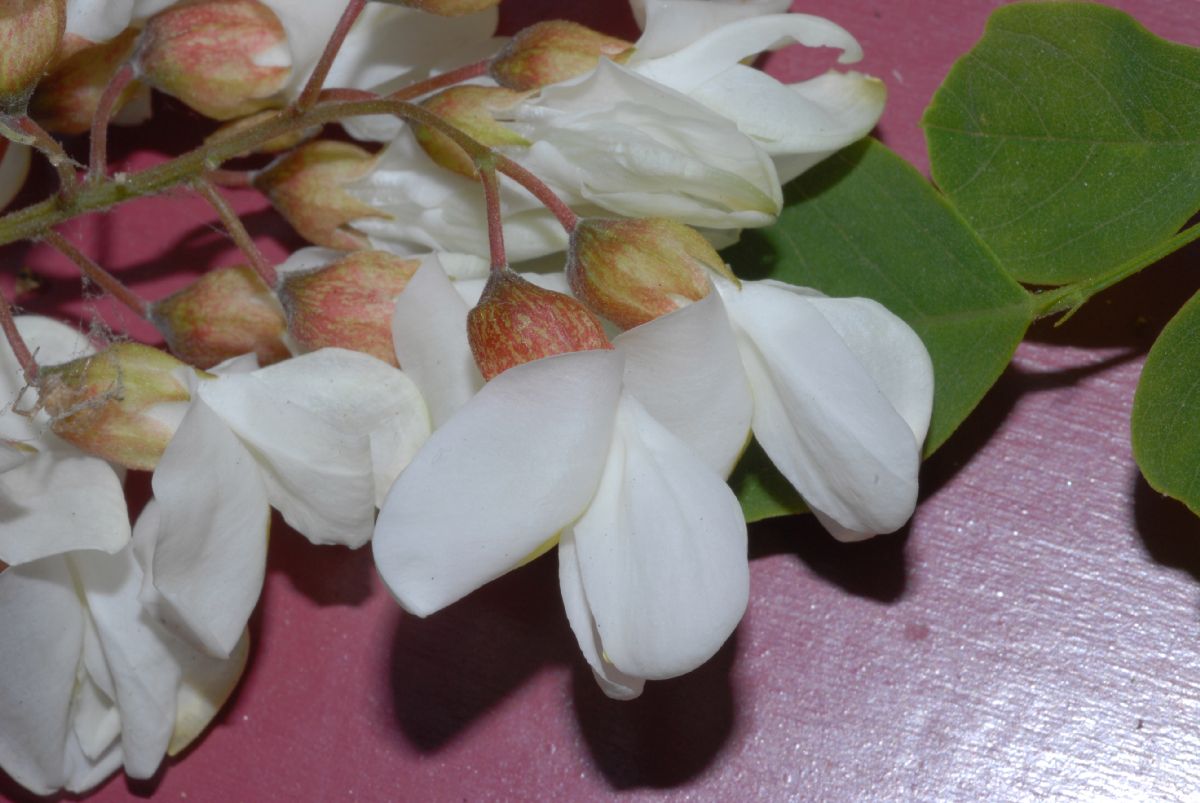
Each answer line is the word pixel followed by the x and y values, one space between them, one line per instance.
pixel 64 165
pixel 20 350
pixel 543 193
pixel 442 81
pixel 312 89
pixel 105 280
pixel 233 224
pixel 495 221
pixel 98 157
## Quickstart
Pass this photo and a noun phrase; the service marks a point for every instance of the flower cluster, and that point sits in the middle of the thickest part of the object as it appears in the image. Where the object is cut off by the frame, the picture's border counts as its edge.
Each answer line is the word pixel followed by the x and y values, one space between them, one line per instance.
pixel 595 403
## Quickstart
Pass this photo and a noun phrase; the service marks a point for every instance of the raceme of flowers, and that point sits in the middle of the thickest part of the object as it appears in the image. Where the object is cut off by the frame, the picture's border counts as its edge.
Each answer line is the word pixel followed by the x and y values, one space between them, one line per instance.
pixel 399 383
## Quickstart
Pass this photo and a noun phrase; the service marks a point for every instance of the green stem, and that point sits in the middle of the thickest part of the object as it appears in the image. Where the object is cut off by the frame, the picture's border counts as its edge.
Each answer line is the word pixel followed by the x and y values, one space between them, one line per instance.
pixel 1070 298
pixel 105 280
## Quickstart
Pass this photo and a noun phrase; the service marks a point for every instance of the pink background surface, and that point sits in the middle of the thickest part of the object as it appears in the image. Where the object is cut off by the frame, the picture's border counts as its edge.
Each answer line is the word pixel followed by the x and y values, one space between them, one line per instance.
pixel 1032 633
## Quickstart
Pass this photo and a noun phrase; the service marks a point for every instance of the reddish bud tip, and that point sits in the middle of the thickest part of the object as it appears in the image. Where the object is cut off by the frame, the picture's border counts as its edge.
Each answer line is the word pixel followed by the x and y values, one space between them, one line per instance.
pixel 30 33
pixel 305 186
pixel 471 109
pixel 348 304
pixel 554 51
pixel 225 313
pixel 224 58
pixel 120 404
pixel 517 322
pixel 632 271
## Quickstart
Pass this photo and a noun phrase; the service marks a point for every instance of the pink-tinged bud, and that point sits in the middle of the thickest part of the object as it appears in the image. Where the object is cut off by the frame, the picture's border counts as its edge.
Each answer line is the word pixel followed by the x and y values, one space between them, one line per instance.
pixel 30 32
pixel 347 304
pixel 472 110
pixel 632 271
pixel 66 99
pixel 120 404
pixel 554 51
pixel 224 58
pixel 447 8
pixel 277 145
pixel 305 186
pixel 225 313
pixel 517 322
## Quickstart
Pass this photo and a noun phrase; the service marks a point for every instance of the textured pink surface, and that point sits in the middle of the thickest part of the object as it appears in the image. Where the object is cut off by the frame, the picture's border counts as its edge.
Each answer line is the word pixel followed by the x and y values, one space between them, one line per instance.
pixel 1033 633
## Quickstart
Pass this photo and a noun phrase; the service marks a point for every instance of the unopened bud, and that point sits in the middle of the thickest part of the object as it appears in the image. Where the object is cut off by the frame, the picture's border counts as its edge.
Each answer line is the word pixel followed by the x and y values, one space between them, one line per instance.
pixel 224 58
pixel 305 186
pixel 347 304
pixel 225 313
pixel 30 32
pixel 66 99
pixel 447 8
pixel 471 109
pixel 121 404
pixel 632 271
pixel 554 51
pixel 276 145
pixel 517 322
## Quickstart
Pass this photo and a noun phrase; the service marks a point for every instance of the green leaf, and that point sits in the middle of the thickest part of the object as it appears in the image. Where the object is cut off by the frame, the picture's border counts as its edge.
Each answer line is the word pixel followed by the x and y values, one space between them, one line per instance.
pixel 1069 138
pixel 865 223
pixel 1166 410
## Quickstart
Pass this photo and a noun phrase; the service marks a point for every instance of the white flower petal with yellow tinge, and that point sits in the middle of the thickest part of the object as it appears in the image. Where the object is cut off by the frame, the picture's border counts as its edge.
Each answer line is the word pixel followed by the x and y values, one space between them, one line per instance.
pixel 685 369
pixel 615 683
pixel 821 414
pixel 516 465
pixel 205 548
pixel 354 393
pixel 101 20
pixel 320 477
pixel 429 332
pixel 205 685
pixel 42 633
pixel 670 25
pixel 661 552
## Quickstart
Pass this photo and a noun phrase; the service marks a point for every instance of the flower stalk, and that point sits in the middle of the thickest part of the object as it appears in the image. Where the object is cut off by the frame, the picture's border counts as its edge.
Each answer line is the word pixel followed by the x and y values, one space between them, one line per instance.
pixel 105 280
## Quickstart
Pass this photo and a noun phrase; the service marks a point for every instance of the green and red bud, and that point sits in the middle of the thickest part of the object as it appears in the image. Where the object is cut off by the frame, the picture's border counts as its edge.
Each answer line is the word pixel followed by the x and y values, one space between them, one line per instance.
pixel 65 101
pixel 347 304
pixel 120 404
pixel 632 271
pixel 516 322
pixel 554 51
pixel 30 33
pixel 305 186
pixel 224 58
pixel 225 313
pixel 471 109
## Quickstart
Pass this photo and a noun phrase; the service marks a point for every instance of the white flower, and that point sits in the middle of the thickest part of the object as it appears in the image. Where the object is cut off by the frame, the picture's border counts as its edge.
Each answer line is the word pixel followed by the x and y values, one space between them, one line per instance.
pixel 319 437
pixel 652 544
pixel 843 391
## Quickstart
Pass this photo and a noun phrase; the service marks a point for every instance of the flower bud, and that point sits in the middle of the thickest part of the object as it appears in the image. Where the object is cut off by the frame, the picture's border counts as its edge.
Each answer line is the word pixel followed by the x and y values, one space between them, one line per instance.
pixel 632 271
pixel 347 304
pixel 517 322
pixel 276 145
pixel 30 32
pixel 122 404
pixel 554 51
pixel 66 99
pixel 471 109
pixel 305 187
pixel 447 8
pixel 224 58
pixel 225 313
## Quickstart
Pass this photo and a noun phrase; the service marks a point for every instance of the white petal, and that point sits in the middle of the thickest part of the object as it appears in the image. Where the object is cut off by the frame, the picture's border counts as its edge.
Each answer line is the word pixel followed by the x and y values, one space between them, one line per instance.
pixel 709 56
pixel 42 634
pixel 208 552
pixel 517 464
pixel 12 456
pixel 206 684
pixel 144 672
pixel 319 476
pixel 662 552
pixel 60 500
pixel 615 683
pixel 685 368
pixel 671 25
pixel 429 331
pixel 14 167
pixel 819 413
pixel 52 343
pixel 95 722
pixel 356 394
